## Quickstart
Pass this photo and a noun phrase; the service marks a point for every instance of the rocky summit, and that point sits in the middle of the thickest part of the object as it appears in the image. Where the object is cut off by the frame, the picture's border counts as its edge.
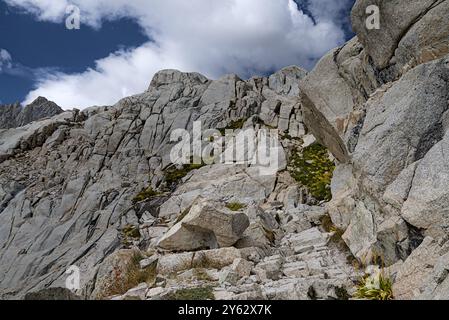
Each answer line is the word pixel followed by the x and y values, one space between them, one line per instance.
pixel 92 205
pixel 13 116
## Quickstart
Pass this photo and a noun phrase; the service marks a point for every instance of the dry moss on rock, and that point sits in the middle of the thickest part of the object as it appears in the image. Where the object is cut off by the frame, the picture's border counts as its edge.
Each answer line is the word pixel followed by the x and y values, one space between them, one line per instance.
pixel 130 233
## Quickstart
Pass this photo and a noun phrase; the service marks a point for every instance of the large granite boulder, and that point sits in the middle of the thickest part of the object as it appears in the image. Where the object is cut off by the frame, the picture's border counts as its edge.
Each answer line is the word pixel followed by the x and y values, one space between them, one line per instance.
pixel 207 225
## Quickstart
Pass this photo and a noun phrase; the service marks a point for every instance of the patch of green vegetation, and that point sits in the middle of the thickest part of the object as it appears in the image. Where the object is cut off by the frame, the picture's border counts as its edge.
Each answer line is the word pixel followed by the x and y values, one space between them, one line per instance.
pixel 235 206
pixel 313 169
pixel 202 293
pixel 131 277
pixel 234 125
pixel 145 194
pixel 375 287
pixel 176 174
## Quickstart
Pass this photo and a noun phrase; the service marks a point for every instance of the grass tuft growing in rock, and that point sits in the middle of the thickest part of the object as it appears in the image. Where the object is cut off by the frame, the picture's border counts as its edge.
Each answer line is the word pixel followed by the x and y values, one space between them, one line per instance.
pixel 313 169
pixel 375 287
pixel 235 206
pixel 174 175
pixel 202 293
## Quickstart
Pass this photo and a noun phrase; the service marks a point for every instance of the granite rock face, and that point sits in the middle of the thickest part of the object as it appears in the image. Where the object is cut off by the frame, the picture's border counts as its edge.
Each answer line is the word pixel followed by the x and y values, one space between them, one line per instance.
pixel 98 189
pixel 385 119
pixel 71 185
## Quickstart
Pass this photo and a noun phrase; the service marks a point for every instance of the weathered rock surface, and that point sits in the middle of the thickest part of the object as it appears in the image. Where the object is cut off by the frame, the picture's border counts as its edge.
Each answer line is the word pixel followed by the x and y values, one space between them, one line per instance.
pixel 69 183
pixel 397 19
pixel 220 182
pixel 97 188
pixel 334 116
pixel 301 265
pixel 380 105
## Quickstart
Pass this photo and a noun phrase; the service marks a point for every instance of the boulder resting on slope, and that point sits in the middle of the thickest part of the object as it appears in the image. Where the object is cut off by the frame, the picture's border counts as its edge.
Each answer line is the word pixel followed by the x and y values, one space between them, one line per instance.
pixel 208 224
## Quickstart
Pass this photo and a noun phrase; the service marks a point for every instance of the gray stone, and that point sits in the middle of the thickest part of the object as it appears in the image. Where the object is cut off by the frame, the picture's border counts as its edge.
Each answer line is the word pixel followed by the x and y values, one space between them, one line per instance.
pixel 397 17
pixel 414 272
pixel 145 263
pixel 207 225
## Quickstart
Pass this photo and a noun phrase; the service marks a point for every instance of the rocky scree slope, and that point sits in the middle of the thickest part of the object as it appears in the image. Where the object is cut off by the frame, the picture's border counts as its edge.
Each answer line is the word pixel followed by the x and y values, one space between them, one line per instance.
pixel 96 188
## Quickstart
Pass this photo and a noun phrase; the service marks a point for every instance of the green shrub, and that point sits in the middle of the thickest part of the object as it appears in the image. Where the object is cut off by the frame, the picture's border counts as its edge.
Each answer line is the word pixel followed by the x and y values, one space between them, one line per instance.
pixel 314 170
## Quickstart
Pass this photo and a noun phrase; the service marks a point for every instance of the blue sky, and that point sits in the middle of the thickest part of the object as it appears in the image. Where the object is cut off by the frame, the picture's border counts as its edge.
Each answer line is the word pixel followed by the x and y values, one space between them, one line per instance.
pixel 121 44
pixel 39 44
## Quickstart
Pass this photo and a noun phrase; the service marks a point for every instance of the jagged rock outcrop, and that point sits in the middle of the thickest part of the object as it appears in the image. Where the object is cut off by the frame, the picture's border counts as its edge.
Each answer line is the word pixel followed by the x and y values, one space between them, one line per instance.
pixel 14 115
pixel 98 188
pixel 411 32
pixel 384 119
pixel 71 185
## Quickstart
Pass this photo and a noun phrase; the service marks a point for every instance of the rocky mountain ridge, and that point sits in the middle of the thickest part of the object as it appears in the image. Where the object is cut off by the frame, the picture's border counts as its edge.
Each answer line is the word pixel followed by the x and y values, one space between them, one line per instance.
pixel 14 115
pixel 97 189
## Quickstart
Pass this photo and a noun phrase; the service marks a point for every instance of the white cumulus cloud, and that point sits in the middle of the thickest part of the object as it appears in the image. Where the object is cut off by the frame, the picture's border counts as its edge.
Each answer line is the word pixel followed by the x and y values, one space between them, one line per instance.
pixel 5 60
pixel 246 37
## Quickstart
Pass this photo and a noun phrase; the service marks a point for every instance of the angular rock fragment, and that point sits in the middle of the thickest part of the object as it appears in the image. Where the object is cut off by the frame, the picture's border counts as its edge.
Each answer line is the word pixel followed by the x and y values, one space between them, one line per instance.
pixel 207 225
